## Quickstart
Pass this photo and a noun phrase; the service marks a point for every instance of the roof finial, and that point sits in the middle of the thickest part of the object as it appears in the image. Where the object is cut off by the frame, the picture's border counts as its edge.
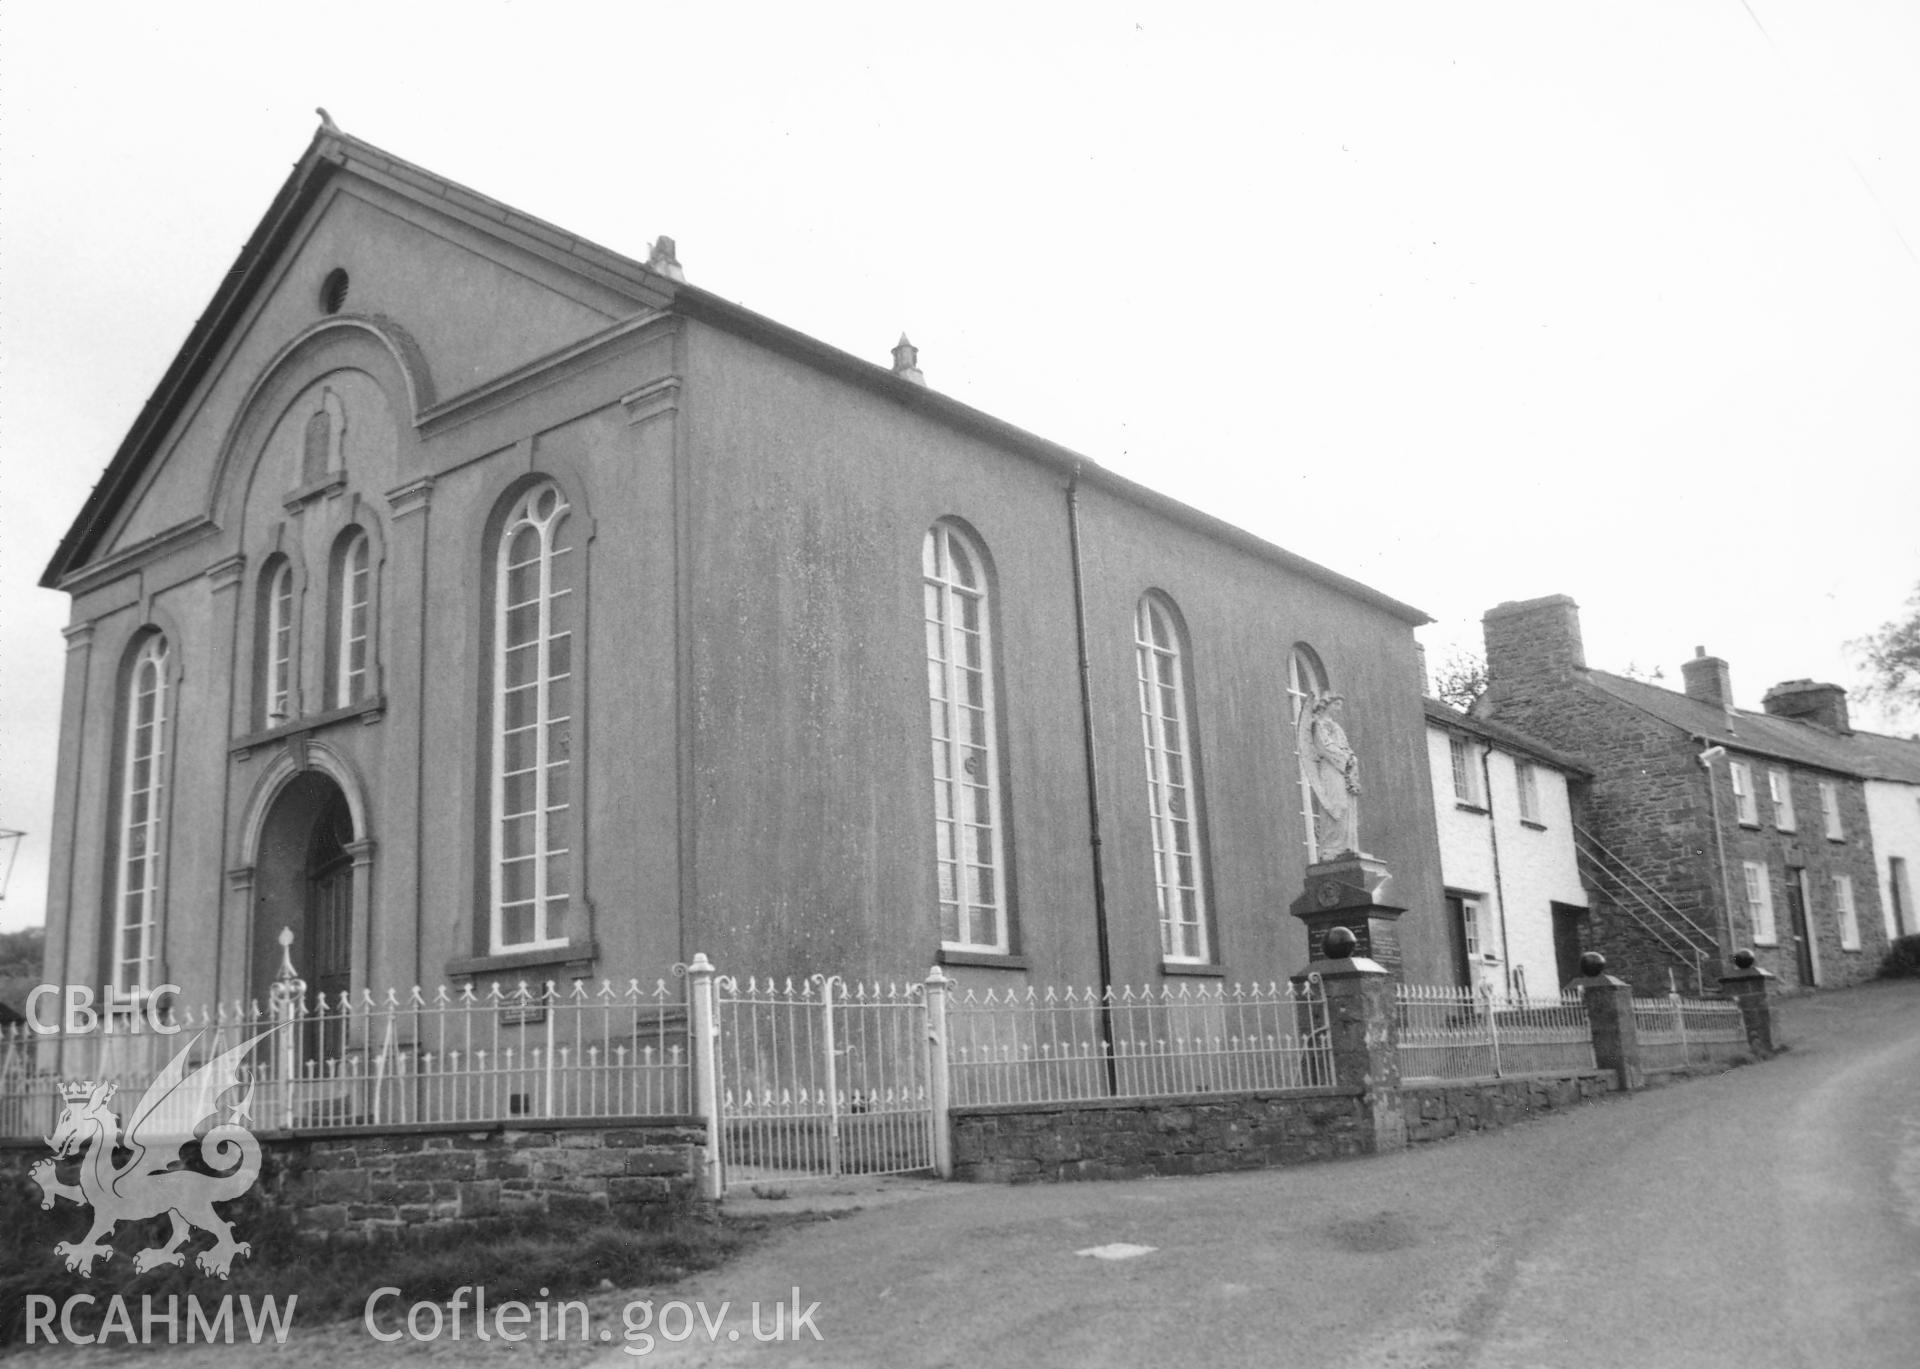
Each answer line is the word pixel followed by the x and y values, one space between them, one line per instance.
pixel 906 361
pixel 662 259
pixel 326 120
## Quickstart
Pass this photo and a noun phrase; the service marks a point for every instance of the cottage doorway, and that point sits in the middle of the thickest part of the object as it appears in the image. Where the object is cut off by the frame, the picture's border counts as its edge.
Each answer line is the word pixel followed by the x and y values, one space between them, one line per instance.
pixel 1802 935
pixel 1460 938
pixel 1566 941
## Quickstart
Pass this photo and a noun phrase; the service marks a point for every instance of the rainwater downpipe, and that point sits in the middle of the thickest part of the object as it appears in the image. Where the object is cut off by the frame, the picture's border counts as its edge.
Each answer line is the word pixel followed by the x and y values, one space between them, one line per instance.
pixel 1493 839
pixel 1102 941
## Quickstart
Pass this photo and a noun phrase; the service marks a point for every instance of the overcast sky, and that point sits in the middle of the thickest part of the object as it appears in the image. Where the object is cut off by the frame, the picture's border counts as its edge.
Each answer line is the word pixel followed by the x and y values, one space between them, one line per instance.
pixel 1471 301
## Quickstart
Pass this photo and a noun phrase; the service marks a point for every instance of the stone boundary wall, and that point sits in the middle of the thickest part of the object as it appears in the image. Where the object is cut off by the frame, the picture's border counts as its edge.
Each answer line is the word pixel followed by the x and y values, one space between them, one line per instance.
pixel 371 1182
pixel 1436 1111
pixel 1209 1133
pixel 1130 1138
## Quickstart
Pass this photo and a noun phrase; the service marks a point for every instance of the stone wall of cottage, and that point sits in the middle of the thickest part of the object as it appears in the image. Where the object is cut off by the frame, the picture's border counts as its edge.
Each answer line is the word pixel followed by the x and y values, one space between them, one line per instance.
pixel 1649 803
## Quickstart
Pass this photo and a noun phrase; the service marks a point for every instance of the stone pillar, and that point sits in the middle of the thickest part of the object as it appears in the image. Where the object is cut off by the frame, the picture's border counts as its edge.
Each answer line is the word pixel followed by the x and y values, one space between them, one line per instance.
pixel 703 1041
pixel 1616 1039
pixel 939 1081
pixel 1747 985
pixel 1366 1038
pixel 1350 891
pixel 80 736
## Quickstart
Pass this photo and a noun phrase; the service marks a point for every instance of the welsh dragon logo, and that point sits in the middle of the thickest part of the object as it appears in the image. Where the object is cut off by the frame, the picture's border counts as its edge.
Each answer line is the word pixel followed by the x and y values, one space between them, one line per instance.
pixel 153 1180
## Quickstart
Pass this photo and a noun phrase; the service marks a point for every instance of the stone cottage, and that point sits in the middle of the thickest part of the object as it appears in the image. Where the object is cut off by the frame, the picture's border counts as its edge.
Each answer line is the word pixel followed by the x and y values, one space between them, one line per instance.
pixel 1708 827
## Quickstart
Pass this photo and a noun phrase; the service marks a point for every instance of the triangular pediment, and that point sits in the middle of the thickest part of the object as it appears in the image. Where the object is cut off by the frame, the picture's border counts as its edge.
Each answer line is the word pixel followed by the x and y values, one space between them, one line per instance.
pixel 460 289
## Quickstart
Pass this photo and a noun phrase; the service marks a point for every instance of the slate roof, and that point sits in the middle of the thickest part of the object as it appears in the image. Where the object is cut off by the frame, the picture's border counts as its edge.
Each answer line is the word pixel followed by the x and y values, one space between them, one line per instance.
pixel 1504 737
pixel 1867 755
pixel 331 150
pixel 1882 757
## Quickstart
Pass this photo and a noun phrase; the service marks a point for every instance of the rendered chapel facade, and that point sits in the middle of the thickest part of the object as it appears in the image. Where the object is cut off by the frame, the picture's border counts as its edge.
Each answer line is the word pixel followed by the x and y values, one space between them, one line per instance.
pixel 481 604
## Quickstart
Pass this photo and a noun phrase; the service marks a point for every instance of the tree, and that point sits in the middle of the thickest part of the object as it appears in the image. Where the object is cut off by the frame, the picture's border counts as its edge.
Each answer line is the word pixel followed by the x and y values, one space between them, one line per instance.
pixel 1460 679
pixel 1892 658
pixel 21 953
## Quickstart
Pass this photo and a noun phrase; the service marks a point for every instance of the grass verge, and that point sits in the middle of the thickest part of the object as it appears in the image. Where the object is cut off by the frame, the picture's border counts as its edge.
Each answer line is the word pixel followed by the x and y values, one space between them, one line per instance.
pixel 522 1258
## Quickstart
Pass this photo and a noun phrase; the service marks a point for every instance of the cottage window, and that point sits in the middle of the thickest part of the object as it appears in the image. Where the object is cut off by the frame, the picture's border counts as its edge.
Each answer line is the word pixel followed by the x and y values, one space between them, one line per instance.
pixel 1780 790
pixel 1746 806
pixel 137 882
pixel 1830 809
pixel 534 617
pixel 1759 903
pixel 1466 774
pixel 969 836
pixel 1166 704
pixel 1845 914
pixel 1526 784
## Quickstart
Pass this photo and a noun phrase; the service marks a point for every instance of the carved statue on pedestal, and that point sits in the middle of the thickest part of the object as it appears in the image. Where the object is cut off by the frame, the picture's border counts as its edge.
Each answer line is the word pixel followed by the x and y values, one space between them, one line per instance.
pixel 1333 775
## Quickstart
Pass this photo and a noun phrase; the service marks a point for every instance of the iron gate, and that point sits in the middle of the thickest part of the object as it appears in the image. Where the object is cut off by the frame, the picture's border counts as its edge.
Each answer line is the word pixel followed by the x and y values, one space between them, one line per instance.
pixel 822 1079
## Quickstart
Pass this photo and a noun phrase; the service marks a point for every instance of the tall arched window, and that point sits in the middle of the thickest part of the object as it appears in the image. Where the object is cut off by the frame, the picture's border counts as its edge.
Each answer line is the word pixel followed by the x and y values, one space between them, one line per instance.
pixel 1166 704
pixel 142 792
pixel 1306 677
pixel 534 612
pixel 969 840
pixel 352 625
pixel 276 643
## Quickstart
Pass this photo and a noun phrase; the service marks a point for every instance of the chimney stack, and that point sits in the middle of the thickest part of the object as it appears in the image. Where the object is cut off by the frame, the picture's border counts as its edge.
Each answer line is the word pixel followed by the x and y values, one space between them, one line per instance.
pixel 1708 679
pixel 1533 640
pixel 1824 705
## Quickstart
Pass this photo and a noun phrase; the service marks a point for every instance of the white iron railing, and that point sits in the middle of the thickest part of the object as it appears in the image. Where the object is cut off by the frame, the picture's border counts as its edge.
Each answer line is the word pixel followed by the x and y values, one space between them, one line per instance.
pixel 1035 1046
pixel 446 1056
pixel 823 1079
pixel 1453 1032
pixel 1676 1031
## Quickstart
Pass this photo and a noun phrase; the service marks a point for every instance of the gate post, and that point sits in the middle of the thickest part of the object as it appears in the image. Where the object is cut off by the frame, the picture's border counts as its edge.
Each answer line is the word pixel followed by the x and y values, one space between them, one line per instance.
pixel 703 1040
pixel 1616 1036
pixel 938 1084
pixel 833 1077
pixel 1747 985
pixel 287 1001
pixel 1493 1026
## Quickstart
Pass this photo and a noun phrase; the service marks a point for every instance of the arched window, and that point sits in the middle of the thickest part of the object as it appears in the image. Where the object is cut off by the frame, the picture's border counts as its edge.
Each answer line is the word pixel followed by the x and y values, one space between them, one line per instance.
pixel 1306 678
pixel 276 644
pixel 137 876
pixel 534 613
pixel 969 840
pixel 1166 705
pixel 353 619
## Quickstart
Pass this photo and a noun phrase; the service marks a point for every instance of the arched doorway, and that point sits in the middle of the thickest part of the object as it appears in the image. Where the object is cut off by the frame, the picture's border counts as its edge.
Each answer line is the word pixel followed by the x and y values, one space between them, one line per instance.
pixel 303 883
